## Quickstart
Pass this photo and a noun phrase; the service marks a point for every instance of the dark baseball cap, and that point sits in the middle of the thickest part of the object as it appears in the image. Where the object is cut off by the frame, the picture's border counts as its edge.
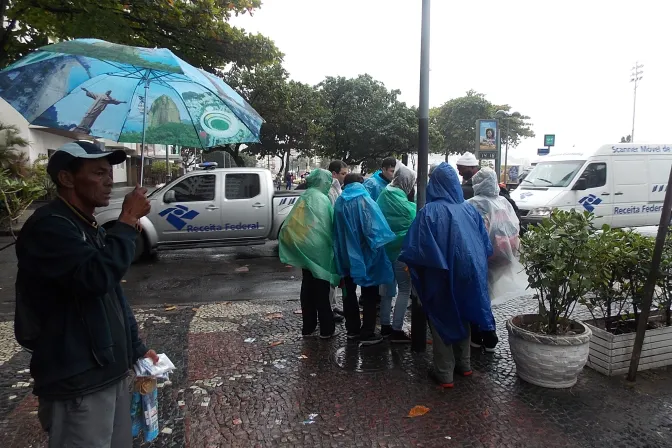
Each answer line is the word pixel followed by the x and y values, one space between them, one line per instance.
pixel 67 153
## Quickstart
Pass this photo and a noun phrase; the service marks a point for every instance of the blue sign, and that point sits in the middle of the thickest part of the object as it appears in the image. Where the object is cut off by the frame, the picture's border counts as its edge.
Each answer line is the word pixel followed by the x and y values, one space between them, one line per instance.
pixel 176 216
pixel 543 151
pixel 589 202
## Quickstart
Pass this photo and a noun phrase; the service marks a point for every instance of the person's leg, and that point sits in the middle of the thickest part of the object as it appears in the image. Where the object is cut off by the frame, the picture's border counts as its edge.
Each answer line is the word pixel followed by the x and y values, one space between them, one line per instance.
pixel 87 421
pixel 403 278
pixel 338 314
pixel 386 295
pixel 462 352
pixel 308 309
pixel 476 336
pixel 324 312
pixel 444 360
pixel 121 432
pixel 370 298
pixel 490 341
pixel 351 308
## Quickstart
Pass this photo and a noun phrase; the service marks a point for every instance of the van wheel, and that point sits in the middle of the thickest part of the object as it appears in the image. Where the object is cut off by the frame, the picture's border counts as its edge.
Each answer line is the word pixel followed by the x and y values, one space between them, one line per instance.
pixel 140 248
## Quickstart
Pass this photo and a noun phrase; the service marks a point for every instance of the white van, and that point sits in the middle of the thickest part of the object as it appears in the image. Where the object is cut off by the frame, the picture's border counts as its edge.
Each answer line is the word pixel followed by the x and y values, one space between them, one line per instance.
pixel 622 184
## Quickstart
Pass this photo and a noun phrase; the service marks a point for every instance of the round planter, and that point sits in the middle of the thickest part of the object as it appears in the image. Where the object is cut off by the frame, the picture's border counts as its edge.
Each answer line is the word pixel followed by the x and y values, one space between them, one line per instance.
pixel 548 361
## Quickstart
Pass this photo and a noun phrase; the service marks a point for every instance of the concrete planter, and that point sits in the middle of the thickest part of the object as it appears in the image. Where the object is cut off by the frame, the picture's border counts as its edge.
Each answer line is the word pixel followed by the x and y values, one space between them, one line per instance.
pixel 548 361
pixel 610 354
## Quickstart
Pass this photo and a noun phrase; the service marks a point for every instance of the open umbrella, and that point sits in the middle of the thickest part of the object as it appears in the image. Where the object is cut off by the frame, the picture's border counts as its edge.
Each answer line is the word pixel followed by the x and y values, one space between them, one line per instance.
pixel 127 94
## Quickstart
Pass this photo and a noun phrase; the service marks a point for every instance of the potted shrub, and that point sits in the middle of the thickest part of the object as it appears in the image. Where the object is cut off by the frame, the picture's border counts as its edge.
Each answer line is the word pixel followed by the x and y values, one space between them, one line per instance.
pixel 549 348
pixel 622 265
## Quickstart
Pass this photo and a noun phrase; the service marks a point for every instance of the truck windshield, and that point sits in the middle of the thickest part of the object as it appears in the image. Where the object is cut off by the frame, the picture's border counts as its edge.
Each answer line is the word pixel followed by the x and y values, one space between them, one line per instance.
pixel 553 174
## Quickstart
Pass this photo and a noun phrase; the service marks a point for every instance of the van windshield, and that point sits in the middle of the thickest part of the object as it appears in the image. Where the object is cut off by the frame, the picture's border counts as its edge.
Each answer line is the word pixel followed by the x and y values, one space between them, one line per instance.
pixel 553 174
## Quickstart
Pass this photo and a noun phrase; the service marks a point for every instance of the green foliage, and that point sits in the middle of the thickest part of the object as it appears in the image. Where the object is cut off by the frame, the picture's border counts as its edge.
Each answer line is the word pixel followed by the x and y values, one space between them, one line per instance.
pixel 556 255
pixel 195 30
pixel 16 195
pixel 38 175
pixel 456 121
pixel 180 134
pixel 664 301
pixel 12 158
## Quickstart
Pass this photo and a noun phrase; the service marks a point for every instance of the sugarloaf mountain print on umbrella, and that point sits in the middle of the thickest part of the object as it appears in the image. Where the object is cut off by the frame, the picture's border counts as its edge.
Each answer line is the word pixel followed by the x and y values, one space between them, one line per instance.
pixel 98 88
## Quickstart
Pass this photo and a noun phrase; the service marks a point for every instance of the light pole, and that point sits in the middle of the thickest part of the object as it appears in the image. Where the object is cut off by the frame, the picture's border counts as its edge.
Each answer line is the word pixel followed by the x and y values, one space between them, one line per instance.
pixel 503 115
pixel 635 77
pixel 418 319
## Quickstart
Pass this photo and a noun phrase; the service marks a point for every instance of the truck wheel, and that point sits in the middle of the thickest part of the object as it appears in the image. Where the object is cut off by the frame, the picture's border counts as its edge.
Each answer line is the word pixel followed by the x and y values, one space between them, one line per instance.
pixel 140 250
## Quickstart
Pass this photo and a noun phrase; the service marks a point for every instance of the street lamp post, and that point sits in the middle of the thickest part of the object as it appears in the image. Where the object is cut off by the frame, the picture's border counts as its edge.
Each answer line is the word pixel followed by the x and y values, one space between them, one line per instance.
pixel 503 115
pixel 636 76
pixel 418 319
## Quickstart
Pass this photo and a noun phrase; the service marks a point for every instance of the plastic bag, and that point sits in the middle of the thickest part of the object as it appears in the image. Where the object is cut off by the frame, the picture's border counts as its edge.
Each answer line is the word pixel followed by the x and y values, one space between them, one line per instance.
pixel 397 209
pixel 306 237
pixel 506 280
pixel 145 408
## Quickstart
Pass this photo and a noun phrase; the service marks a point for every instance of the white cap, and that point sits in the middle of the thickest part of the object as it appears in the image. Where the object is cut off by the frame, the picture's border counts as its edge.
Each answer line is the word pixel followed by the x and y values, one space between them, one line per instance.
pixel 467 159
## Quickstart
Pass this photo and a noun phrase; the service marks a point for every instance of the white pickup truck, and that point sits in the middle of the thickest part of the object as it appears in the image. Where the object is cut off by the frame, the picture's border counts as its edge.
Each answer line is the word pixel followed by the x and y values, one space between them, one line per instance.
pixel 210 208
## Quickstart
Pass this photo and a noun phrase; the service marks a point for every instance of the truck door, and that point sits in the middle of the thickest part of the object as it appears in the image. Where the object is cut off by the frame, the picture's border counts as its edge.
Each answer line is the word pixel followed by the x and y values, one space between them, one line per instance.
pixel 189 210
pixel 246 206
pixel 596 195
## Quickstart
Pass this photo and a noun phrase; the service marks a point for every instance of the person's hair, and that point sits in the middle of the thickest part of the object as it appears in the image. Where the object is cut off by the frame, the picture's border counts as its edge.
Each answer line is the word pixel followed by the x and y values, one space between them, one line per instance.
pixel 389 162
pixel 337 165
pixel 72 167
pixel 353 178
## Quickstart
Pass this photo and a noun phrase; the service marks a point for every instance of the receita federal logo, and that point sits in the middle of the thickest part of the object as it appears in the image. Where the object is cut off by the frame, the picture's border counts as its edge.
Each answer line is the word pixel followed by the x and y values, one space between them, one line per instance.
pixel 589 202
pixel 176 216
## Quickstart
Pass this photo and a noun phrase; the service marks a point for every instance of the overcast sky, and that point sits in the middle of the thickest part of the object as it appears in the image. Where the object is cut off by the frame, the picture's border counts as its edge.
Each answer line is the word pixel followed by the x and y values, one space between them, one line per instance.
pixel 565 64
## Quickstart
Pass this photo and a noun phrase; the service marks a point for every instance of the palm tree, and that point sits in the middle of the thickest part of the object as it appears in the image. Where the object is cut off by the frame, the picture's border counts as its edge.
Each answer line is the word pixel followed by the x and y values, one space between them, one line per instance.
pixel 12 158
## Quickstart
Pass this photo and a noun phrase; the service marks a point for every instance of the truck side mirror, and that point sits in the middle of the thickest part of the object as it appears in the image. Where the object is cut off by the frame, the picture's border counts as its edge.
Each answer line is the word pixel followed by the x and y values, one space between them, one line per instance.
pixel 169 197
pixel 580 184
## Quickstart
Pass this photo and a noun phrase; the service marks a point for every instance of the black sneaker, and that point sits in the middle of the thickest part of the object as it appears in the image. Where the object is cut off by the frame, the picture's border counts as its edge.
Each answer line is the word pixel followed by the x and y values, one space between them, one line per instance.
pixel 338 318
pixel 338 311
pixel 490 341
pixel 329 336
pixel 353 336
pixel 314 334
pixel 370 340
pixel 399 337
pixel 385 330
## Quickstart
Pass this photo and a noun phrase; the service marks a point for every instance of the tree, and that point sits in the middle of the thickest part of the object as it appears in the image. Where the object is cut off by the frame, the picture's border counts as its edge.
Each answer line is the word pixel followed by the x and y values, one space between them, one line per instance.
pixel 363 121
pixel 627 139
pixel 289 109
pixel 456 120
pixel 190 157
pixel 12 158
pixel 195 30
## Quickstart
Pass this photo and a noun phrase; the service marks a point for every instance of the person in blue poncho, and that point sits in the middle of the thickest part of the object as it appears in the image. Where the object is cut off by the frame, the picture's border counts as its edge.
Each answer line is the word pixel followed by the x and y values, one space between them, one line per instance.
pixel 381 178
pixel 446 250
pixel 360 235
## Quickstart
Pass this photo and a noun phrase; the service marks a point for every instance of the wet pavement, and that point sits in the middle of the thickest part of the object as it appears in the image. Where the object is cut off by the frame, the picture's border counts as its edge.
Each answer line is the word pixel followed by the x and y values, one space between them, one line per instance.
pixel 246 378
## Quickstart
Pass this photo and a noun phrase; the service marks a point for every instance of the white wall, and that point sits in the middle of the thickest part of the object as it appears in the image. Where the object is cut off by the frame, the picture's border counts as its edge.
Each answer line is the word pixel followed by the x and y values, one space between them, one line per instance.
pixel 39 141
pixel 119 173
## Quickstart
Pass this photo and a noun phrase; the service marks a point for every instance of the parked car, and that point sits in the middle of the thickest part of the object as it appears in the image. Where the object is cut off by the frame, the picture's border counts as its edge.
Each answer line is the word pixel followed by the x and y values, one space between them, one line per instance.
pixel 212 207
pixel 622 184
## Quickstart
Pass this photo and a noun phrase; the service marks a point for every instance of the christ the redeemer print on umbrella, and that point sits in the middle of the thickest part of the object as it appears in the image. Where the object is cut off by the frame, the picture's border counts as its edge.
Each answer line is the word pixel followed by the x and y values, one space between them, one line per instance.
pixel 127 94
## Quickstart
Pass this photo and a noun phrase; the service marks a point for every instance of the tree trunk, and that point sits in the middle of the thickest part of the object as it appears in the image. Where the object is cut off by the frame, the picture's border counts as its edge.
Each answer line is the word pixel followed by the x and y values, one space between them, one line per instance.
pixel 287 154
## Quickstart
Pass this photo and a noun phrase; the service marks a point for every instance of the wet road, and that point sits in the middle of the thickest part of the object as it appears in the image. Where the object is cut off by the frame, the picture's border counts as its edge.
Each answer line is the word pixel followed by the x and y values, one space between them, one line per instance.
pixel 190 276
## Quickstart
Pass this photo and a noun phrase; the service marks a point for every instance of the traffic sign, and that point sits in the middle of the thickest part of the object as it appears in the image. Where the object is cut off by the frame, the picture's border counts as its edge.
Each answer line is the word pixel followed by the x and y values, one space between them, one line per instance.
pixel 487 155
pixel 543 151
pixel 549 140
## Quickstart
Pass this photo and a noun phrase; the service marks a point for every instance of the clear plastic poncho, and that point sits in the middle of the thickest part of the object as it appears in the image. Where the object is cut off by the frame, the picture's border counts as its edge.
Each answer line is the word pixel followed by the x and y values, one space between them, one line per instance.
pixel 306 238
pixel 506 276
pixel 360 235
pixel 397 209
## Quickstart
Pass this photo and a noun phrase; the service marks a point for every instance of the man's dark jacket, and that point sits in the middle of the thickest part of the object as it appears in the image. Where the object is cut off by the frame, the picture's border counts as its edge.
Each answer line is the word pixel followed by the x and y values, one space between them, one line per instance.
pixel 70 309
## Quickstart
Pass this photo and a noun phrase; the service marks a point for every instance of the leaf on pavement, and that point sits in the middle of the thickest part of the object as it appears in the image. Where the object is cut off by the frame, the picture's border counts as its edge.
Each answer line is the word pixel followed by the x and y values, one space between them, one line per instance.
pixel 417 411
pixel 237 421
pixel 298 312
pixel 274 316
pixel 171 308
pixel 275 344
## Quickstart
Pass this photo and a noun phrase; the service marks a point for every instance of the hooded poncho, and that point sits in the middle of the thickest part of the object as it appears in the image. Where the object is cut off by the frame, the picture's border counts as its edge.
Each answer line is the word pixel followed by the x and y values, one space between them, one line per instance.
pixel 397 209
pixel 360 235
pixel 306 238
pixel 446 250
pixel 506 276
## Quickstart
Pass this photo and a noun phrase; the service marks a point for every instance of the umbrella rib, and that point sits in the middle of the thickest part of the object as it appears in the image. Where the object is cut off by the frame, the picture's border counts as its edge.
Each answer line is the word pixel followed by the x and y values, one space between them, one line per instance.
pixel 130 105
pixel 224 101
pixel 193 123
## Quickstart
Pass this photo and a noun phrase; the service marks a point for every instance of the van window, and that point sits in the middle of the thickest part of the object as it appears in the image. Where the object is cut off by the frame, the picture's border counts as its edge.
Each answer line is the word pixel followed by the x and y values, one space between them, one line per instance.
pixel 595 175
pixel 553 174
pixel 242 186
pixel 196 188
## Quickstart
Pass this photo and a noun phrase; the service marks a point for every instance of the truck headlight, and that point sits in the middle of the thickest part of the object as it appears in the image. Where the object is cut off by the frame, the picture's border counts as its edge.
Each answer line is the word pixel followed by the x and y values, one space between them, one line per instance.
pixel 541 212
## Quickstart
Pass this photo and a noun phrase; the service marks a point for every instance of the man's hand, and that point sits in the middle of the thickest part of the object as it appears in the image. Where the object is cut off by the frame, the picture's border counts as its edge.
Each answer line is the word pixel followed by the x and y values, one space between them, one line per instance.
pixel 135 206
pixel 151 354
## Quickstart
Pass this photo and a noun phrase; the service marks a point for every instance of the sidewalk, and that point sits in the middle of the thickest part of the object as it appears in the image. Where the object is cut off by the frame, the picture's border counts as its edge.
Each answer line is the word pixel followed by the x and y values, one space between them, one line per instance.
pixel 249 394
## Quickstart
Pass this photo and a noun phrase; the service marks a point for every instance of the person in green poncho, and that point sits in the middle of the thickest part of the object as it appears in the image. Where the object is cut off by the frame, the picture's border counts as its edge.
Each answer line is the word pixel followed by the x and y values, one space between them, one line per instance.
pixel 399 213
pixel 306 242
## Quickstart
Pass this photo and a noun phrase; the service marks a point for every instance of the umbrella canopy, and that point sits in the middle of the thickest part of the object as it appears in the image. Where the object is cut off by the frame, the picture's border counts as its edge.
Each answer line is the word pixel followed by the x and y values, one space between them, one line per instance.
pixel 127 94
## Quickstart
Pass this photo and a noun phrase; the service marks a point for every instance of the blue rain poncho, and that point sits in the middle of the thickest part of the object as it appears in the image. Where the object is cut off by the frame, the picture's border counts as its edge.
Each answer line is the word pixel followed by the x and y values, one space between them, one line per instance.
pixel 360 235
pixel 376 184
pixel 306 237
pixel 446 250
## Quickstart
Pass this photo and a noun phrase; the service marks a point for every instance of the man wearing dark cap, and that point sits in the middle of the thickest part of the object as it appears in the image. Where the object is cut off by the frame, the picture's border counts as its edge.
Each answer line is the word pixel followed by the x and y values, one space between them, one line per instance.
pixel 71 312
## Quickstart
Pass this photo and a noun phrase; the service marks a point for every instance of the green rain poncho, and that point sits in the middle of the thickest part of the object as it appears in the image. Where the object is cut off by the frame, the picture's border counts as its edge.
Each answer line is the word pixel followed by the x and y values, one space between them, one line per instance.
pixel 397 209
pixel 306 238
